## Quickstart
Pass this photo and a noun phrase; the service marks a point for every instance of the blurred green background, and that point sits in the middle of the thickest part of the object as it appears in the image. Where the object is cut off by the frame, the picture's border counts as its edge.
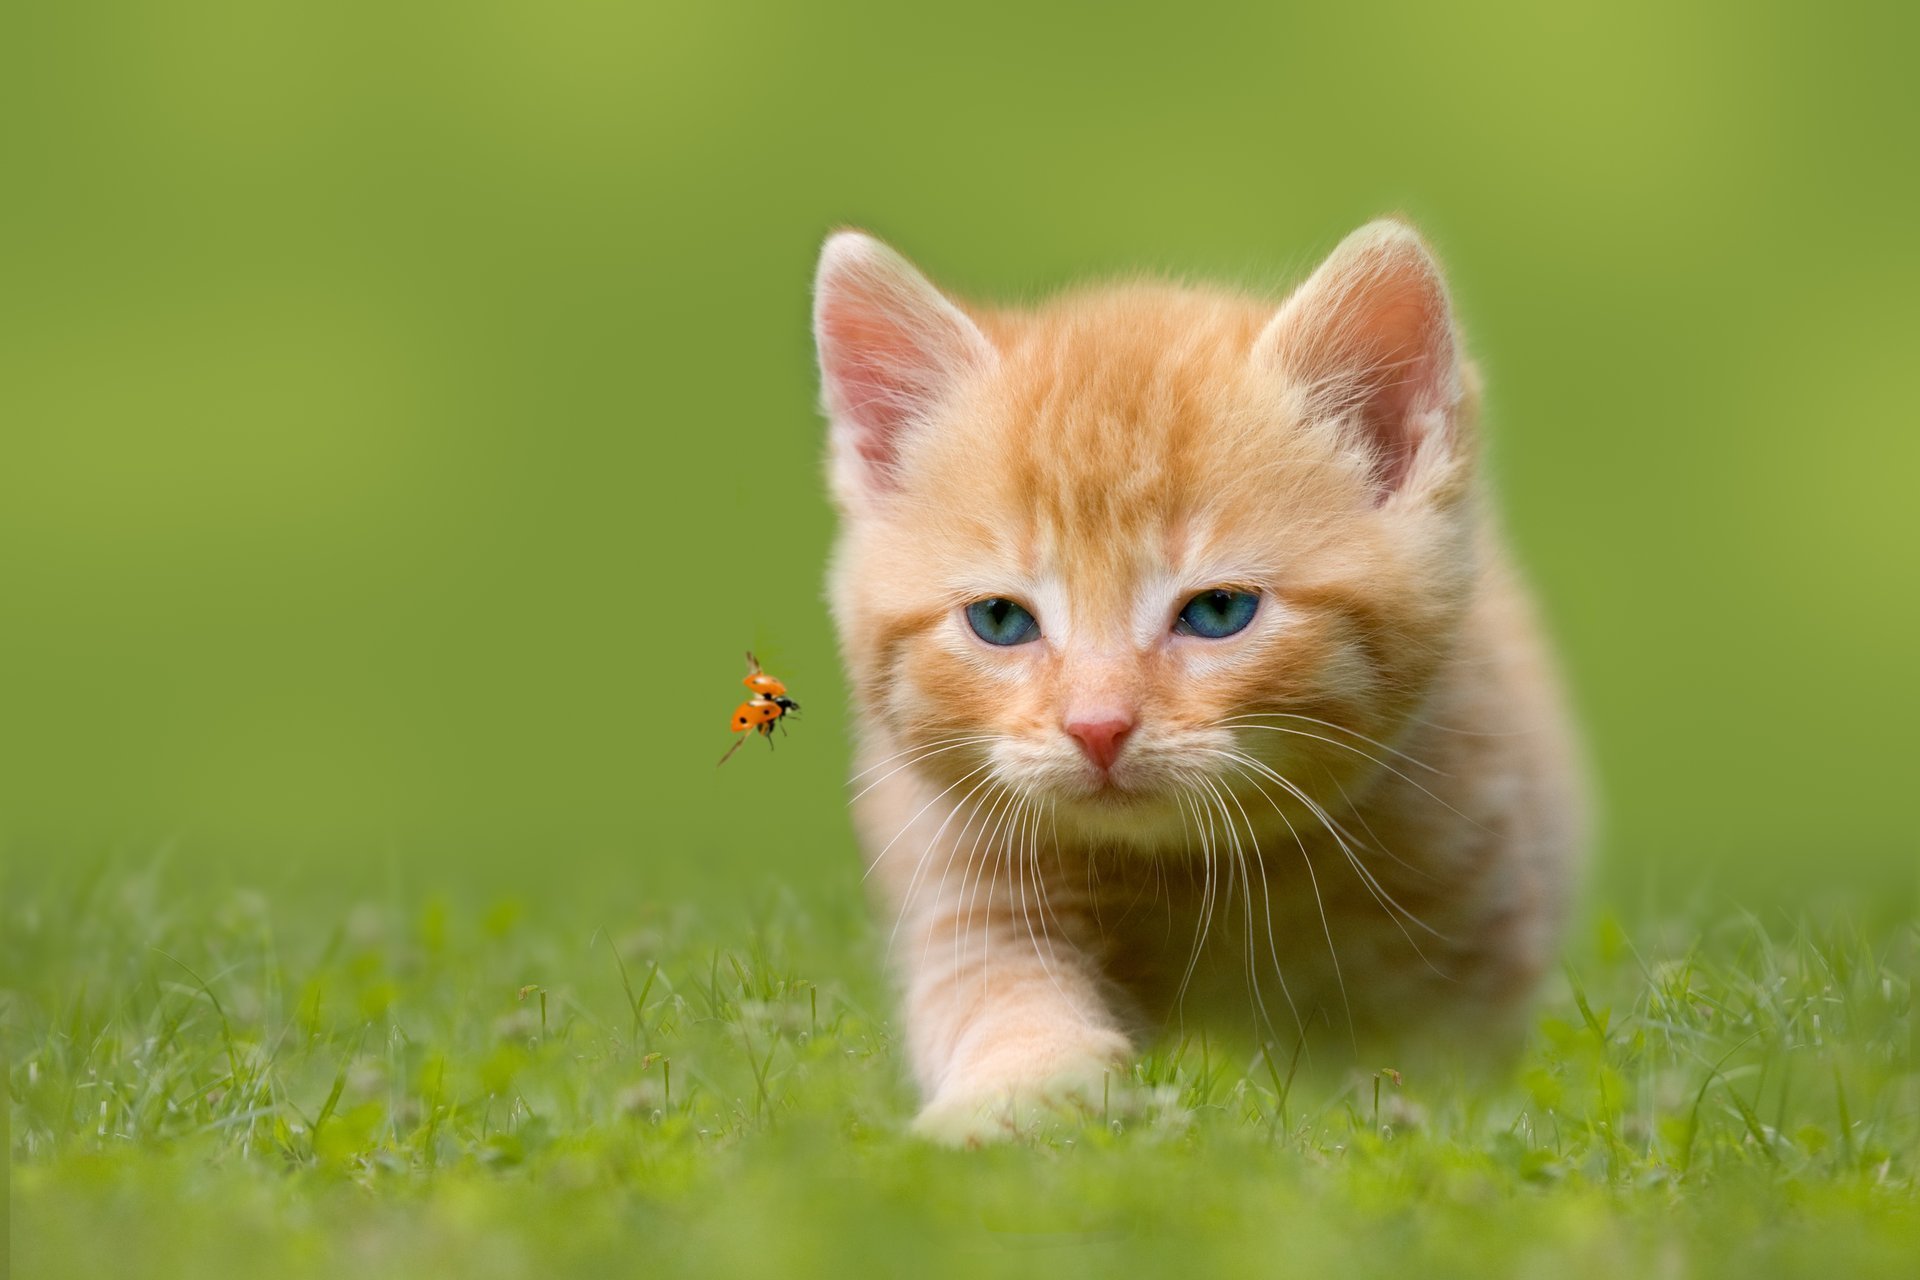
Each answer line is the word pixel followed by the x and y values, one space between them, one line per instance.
pixel 409 415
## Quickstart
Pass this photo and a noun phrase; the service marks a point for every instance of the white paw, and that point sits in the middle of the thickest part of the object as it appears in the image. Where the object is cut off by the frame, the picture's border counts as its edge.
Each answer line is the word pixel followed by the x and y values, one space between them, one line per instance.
pixel 972 1109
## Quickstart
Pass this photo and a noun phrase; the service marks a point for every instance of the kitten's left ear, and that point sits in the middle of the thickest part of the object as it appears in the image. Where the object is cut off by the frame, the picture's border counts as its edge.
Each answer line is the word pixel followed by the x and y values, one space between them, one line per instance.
pixel 1369 342
pixel 892 348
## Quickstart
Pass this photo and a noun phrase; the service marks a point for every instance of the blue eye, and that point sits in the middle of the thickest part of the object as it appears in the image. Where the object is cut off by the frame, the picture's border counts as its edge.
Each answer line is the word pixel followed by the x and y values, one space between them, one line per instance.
pixel 1215 614
pixel 1001 621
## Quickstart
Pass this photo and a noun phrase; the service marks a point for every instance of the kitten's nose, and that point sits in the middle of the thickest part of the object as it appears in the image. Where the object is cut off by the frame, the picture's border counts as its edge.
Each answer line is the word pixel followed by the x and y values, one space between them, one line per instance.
pixel 1101 736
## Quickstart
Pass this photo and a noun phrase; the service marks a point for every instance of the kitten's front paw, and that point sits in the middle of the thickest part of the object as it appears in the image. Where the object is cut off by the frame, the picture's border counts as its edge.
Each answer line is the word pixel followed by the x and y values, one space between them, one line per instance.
pixel 975 1119
pixel 1006 1097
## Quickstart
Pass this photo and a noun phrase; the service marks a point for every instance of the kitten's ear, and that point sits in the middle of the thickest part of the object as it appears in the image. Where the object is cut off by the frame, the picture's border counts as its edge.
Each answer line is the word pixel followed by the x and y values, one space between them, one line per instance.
pixel 1369 341
pixel 891 348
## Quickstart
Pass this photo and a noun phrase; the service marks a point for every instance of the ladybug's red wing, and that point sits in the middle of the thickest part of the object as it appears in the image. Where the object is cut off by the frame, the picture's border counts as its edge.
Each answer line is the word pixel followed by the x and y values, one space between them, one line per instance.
pixel 756 712
pixel 763 710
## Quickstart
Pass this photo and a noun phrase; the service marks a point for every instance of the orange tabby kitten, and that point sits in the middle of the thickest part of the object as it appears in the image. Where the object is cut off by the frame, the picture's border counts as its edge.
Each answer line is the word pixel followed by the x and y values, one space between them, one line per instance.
pixel 1188 666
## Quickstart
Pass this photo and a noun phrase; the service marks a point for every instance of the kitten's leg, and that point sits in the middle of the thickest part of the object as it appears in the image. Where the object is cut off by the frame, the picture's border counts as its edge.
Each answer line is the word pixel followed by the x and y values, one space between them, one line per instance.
pixel 1005 1010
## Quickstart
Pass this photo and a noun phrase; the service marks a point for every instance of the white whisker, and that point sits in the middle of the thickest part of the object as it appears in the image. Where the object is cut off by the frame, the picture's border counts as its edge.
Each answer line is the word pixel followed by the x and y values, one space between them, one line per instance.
pixel 1319 900
pixel 908 825
pixel 993 857
pixel 952 746
pixel 906 900
pixel 1302 733
pixel 1251 717
pixel 1266 908
pixel 1386 900
pixel 1246 877
pixel 918 746
pixel 983 844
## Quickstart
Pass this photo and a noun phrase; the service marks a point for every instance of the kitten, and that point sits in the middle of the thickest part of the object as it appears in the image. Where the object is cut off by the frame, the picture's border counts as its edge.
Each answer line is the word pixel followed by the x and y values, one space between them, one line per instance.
pixel 1189 670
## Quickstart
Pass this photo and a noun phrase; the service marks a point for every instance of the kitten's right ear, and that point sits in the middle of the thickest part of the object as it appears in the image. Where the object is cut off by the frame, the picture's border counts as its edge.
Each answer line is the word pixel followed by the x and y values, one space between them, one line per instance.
pixel 891 348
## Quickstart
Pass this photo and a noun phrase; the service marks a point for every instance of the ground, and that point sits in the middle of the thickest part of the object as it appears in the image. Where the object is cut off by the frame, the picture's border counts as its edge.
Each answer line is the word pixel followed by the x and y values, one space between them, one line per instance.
pixel 211 1081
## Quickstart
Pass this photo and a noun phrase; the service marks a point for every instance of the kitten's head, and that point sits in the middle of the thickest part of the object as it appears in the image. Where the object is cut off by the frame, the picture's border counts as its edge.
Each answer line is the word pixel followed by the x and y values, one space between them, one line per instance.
pixel 1088 550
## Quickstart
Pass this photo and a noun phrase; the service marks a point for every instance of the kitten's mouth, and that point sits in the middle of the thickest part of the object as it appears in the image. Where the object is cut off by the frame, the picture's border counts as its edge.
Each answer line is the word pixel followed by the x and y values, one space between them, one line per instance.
pixel 1106 788
pixel 1112 811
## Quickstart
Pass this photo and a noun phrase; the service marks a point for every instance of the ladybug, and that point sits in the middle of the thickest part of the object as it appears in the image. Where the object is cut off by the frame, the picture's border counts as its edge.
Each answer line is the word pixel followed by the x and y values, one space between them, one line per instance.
pixel 768 706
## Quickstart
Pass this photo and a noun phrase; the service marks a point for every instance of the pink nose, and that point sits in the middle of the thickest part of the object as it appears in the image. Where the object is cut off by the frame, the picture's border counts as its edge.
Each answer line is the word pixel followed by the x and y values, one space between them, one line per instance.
pixel 1101 738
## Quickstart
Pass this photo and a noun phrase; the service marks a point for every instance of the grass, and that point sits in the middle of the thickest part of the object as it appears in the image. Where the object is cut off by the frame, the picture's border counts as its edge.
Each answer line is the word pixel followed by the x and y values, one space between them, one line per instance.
pixel 209 1082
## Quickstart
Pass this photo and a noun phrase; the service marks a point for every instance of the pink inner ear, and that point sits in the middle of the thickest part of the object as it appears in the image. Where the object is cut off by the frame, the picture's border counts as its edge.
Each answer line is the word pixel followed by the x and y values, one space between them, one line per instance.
pixel 891 347
pixel 1370 336
pixel 876 376
pixel 1398 383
